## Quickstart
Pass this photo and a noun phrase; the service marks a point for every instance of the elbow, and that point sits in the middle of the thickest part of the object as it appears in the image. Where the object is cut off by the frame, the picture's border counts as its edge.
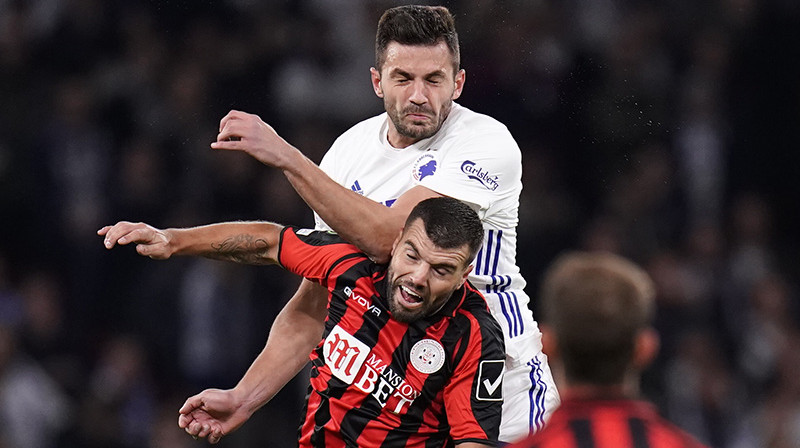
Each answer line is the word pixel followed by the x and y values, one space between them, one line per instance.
pixel 378 252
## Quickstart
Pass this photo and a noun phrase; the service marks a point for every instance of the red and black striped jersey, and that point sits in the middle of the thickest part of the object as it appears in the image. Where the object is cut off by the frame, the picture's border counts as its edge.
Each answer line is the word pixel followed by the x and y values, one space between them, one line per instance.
pixel 379 382
pixel 611 423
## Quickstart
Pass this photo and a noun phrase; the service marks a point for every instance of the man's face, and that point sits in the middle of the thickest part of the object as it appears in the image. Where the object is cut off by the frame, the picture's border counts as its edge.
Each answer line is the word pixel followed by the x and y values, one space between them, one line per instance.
pixel 418 87
pixel 422 276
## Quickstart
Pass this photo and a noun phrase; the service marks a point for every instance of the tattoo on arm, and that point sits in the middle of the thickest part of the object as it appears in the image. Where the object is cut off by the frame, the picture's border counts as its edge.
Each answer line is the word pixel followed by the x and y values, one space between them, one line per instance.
pixel 245 249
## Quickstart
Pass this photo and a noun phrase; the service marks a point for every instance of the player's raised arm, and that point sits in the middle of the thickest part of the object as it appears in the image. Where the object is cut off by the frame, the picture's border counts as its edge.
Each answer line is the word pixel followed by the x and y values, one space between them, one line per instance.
pixel 369 225
pixel 241 242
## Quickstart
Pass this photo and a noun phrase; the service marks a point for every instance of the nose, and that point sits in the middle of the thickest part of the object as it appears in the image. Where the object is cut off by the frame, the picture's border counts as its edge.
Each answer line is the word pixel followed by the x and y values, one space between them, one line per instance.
pixel 419 275
pixel 419 92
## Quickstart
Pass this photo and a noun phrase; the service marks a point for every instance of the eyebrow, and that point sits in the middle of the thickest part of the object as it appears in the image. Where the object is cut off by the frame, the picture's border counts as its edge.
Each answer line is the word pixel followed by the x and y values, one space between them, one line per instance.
pixel 443 265
pixel 405 74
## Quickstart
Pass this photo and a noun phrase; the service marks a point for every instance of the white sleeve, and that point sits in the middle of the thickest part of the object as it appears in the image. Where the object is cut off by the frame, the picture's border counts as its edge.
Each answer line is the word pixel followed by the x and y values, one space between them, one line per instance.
pixel 329 166
pixel 481 170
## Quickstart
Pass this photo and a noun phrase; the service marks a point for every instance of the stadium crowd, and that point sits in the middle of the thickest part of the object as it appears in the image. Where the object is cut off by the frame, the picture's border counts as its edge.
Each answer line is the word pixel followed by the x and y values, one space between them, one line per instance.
pixel 662 131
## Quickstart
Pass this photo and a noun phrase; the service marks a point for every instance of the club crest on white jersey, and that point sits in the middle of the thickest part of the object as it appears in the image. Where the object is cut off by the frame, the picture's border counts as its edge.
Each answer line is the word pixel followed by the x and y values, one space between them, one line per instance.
pixel 424 166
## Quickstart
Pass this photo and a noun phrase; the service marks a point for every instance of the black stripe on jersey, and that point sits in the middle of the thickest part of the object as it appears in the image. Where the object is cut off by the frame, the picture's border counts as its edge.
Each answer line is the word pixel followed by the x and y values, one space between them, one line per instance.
pixel 322 415
pixel 358 418
pixel 304 411
pixel 315 237
pixel 338 304
pixel 484 408
pixel 336 388
pixel 433 385
pixel 638 433
pixel 436 443
pixel 318 238
pixel 351 426
pixel 340 261
pixel 582 430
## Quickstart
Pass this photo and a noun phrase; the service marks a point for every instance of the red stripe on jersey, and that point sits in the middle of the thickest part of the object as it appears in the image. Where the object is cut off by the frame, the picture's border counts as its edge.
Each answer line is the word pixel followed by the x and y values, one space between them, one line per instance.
pixel 459 393
pixel 610 428
pixel 667 435
pixel 619 423
pixel 311 259
pixel 367 388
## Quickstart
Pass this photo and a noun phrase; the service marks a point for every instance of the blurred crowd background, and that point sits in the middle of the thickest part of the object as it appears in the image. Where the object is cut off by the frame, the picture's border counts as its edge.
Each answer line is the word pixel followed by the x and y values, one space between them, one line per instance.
pixel 666 131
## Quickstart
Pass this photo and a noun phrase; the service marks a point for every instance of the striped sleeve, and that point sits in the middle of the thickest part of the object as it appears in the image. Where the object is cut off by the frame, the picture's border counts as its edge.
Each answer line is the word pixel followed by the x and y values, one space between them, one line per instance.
pixel 473 398
pixel 313 254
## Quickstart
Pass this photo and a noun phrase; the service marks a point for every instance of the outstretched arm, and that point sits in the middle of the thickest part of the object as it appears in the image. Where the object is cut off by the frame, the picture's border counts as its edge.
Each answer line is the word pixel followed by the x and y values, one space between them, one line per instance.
pixel 296 331
pixel 370 226
pixel 242 242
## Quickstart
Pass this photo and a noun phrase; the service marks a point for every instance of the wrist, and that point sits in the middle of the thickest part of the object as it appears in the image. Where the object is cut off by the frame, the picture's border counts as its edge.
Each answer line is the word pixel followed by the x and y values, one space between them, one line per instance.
pixel 172 242
pixel 245 399
pixel 292 161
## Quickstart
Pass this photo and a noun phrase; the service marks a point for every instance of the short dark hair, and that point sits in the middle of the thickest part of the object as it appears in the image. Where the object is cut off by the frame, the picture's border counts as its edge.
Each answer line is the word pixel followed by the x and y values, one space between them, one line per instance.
pixel 449 223
pixel 416 25
pixel 596 303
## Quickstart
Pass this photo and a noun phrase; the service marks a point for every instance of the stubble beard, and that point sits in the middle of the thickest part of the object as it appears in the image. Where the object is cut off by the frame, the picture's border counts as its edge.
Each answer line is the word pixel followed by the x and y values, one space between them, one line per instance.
pixel 418 133
pixel 400 313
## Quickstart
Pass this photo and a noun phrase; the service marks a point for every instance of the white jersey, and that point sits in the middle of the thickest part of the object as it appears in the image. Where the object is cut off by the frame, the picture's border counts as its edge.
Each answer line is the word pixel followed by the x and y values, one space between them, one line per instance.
pixel 473 158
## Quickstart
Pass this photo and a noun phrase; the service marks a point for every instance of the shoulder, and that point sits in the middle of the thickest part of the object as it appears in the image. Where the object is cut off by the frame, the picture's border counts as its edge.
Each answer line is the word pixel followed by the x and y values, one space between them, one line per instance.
pixel 475 311
pixel 349 145
pixel 303 247
pixel 368 126
pixel 472 131
pixel 315 238
pixel 469 122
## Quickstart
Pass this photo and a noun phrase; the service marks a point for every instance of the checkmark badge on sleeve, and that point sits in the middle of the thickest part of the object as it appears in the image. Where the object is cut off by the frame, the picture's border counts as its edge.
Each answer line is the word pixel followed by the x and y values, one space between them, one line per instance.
pixel 490 379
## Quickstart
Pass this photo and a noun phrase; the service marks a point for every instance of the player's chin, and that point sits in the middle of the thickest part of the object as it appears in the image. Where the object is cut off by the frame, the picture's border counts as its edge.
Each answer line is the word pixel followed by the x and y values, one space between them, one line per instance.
pixel 406 312
pixel 418 129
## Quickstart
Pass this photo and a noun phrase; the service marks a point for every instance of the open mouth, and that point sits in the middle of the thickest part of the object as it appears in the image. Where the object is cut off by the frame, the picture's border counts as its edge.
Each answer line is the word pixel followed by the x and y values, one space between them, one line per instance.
pixel 409 297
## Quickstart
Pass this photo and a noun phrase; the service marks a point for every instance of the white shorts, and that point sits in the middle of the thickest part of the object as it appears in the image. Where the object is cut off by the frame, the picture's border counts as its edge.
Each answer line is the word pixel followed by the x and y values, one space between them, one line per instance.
pixel 529 397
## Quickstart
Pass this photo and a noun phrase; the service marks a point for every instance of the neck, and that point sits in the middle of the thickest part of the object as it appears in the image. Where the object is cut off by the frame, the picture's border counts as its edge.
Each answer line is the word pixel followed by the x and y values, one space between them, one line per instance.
pixel 399 141
pixel 581 390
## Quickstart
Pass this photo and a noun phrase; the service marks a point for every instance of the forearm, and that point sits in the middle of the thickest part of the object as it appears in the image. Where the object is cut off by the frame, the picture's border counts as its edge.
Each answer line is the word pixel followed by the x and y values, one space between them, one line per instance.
pixel 296 331
pixel 241 242
pixel 369 225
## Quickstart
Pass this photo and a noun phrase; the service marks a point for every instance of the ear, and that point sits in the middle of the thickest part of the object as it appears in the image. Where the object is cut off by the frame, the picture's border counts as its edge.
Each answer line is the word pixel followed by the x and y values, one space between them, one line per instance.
pixel 645 348
pixel 461 78
pixel 396 242
pixel 465 275
pixel 549 341
pixel 375 75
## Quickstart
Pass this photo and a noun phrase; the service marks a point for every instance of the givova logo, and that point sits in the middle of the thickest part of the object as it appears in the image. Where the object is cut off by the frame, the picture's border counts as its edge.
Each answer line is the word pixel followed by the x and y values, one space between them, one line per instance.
pixel 473 171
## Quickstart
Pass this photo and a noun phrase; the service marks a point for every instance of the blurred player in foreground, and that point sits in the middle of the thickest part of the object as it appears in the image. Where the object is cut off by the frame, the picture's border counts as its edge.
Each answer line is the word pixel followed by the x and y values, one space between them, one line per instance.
pixel 410 355
pixel 596 326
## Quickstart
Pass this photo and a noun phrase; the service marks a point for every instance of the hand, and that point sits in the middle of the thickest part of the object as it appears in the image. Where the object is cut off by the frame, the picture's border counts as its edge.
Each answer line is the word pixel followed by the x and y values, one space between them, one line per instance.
pixel 212 413
pixel 240 131
pixel 150 242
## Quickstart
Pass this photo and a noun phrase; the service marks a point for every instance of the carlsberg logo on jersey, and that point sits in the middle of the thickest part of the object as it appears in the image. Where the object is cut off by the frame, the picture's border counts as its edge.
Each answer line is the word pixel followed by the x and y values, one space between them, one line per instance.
pixel 475 172
pixel 345 356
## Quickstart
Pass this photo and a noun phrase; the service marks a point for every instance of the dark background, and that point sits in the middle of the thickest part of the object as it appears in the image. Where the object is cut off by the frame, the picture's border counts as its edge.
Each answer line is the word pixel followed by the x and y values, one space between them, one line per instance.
pixel 664 131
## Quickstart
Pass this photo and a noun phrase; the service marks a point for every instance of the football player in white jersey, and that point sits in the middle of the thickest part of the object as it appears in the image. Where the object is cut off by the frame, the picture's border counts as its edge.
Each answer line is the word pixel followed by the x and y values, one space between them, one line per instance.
pixel 425 145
